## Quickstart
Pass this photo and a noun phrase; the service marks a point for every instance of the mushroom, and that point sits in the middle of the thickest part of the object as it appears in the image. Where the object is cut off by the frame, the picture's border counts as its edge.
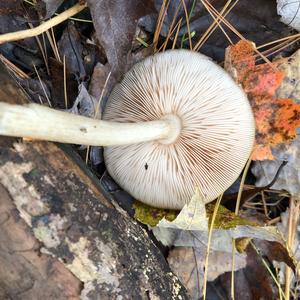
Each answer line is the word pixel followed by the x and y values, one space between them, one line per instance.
pixel 177 121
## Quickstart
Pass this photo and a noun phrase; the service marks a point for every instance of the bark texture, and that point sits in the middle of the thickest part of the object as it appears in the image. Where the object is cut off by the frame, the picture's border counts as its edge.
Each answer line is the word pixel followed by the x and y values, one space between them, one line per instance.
pixel 25 272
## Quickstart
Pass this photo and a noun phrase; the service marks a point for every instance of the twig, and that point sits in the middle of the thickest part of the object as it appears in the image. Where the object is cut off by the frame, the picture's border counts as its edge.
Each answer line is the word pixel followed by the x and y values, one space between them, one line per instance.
pixel 22 34
pixel 263 199
pixel 274 221
pixel 279 40
pixel 52 41
pixel 189 18
pixel 41 49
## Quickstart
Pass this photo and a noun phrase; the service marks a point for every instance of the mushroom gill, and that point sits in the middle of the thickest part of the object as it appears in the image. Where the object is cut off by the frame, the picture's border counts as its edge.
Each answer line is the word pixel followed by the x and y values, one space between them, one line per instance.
pixel 214 140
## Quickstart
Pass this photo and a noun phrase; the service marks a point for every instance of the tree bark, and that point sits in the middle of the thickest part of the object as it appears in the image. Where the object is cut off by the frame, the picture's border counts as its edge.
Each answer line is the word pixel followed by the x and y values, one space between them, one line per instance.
pixel 26 273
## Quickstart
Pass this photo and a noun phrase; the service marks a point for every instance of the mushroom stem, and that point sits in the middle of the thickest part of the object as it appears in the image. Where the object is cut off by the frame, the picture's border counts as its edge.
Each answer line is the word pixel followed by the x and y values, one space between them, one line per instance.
pixel 39 122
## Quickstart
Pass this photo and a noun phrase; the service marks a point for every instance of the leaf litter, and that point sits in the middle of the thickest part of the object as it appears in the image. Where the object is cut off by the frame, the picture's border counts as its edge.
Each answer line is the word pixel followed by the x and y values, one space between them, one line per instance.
pixel 276 118
pixel 112 46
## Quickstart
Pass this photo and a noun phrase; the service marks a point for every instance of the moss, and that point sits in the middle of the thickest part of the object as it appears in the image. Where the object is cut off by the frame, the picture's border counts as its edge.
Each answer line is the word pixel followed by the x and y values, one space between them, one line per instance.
pixel 225 218
pixel 151 215
pixel 241 244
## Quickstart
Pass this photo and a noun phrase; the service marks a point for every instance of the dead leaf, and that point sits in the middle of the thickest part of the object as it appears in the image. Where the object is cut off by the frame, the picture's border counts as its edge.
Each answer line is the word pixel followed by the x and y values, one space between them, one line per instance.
pixel 12 6
pixel 189 263
pixel 58 88
pixel 100 76
pixel 276 252
pixel 115 24
pixel 48 7
pixel 229 200
pixel 85 104
pixel 190 227
pixel 191 217
pixel 98 79
pixel 289 12
pixel 175 11
pixel 283 226
pixel 256 20
pixel 227 228
pixel 70 45
pixel 226 219
pixel 288 179
pixel 290 87
pixel 37 89
pixel 252 282
pixel 276 119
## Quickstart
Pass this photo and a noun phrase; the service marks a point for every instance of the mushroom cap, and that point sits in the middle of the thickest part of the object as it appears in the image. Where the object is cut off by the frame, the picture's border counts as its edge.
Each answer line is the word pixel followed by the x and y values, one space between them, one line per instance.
pixel 215 141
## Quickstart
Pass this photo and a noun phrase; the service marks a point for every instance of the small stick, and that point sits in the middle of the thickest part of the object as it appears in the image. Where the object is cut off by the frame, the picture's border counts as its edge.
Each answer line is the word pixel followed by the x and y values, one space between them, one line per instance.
pixel 27 33
pixel 274 221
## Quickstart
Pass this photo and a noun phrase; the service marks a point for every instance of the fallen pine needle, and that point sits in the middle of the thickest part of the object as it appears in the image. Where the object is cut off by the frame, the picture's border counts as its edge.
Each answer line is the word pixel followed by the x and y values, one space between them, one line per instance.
pixel 211 228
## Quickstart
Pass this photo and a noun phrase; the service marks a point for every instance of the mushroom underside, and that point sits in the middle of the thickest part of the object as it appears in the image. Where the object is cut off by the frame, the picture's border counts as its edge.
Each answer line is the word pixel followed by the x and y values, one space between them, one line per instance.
pixel 215 140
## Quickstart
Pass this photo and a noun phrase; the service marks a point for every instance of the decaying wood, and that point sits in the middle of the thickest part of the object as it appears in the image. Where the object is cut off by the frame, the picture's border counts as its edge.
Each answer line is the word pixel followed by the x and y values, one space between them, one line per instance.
pixel 49 196
pixel 26 273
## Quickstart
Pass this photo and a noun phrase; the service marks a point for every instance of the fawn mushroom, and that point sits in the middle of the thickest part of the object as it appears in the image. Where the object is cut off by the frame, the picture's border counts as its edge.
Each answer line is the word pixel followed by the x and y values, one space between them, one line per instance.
pixel 177 121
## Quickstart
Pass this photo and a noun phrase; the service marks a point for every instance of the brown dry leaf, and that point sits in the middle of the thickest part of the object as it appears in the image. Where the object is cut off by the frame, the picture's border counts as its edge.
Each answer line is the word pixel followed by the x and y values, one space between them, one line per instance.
pixel 252 279
pixel 85 104
pixel 276 119
pixel 287 218
pixel 276 252
pixel 115 24
pixel 98 79
pixel 58 85
pixel 188 264
pixel 252 282
pixel 48 7
pixel 72 46
pixel 12 6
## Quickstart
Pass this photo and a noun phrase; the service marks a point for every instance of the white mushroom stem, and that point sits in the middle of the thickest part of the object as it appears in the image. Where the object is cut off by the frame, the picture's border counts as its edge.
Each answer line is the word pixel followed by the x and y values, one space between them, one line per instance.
pixel 39 122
